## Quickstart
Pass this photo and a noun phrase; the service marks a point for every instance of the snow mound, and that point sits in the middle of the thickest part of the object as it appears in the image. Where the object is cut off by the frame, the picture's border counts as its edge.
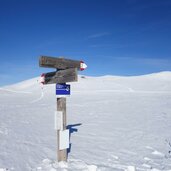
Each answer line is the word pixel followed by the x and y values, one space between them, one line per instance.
pixel 76 165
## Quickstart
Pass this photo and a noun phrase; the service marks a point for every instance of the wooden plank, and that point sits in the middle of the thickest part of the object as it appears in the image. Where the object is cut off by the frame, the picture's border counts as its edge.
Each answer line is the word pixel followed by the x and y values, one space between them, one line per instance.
pixel 59 63
pixel 61 107
pixel 62 76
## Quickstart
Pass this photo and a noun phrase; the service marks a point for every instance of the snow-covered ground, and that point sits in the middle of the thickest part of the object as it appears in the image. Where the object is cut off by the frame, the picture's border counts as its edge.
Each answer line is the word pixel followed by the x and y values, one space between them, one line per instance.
pixel 116 124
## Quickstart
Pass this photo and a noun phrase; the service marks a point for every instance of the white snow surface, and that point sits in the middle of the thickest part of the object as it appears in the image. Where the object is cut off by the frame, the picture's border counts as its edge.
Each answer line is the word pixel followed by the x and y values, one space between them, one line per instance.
pixel 116 124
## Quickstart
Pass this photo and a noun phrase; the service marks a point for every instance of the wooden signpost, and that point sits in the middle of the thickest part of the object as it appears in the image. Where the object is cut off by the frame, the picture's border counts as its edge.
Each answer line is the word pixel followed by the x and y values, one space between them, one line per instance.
pixel 66 71
pixel 61 76
pixel 59 63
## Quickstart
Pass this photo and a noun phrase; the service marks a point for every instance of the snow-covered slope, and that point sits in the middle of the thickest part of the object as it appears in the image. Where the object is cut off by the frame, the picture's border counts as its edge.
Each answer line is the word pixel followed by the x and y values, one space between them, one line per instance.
pixel 117 123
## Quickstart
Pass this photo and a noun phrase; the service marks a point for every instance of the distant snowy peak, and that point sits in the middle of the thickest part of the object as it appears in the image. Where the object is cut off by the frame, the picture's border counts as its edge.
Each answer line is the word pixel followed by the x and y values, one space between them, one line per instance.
pixel 161 75
pixel 155 81
pixel 25 84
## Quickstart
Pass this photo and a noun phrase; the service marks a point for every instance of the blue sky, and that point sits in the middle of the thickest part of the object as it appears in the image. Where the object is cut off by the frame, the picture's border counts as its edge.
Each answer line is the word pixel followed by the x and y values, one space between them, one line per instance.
pixel 114 37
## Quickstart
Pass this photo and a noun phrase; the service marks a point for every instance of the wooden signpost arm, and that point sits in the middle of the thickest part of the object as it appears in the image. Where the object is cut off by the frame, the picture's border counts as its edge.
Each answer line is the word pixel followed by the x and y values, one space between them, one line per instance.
pixel 61 76
pixel 60 63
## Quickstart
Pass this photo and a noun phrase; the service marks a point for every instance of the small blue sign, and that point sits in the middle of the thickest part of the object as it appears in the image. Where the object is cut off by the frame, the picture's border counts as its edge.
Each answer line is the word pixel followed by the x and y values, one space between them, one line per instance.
pixel 62 89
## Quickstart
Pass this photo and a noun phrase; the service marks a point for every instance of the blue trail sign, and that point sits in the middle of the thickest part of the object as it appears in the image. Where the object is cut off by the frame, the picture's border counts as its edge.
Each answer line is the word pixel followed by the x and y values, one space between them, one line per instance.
pixel 62 89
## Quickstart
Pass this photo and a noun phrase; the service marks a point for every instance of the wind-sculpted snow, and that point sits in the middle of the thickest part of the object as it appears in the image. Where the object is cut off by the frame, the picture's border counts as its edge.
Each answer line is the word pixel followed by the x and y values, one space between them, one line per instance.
pixel 116 124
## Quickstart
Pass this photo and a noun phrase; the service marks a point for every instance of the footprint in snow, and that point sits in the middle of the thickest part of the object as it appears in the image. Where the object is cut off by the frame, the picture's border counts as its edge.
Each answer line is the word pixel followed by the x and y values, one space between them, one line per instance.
pixel 155 153
pixel 130 168
pixel 114 157
pixel 158 154
pixel 146 166
pixel 3 131
pixel 149 148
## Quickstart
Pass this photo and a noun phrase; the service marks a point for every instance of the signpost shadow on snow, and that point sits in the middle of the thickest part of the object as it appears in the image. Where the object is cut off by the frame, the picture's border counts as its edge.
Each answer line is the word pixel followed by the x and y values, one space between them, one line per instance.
pixel 72 129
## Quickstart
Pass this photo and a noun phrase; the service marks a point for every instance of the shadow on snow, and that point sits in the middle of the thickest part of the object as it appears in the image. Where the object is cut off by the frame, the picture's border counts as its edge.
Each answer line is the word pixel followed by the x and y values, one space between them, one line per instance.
pixel 72 129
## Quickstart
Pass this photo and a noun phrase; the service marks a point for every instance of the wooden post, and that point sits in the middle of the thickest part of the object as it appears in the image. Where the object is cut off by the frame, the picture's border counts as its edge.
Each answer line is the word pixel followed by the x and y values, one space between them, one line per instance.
pixel 61 107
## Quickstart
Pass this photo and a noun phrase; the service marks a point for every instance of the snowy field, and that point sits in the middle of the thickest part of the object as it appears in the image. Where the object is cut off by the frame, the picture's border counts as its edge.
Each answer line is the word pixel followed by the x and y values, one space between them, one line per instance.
pixel 116 124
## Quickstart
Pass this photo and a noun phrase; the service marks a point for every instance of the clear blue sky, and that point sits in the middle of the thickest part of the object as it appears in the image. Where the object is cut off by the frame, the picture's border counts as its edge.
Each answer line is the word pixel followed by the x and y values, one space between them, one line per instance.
pixel 114 37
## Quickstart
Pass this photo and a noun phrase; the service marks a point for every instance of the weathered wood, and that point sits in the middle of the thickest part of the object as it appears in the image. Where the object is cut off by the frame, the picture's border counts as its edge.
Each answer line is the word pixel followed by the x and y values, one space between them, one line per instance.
pixel 61 106
pixel 61 76
pixel 59 63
